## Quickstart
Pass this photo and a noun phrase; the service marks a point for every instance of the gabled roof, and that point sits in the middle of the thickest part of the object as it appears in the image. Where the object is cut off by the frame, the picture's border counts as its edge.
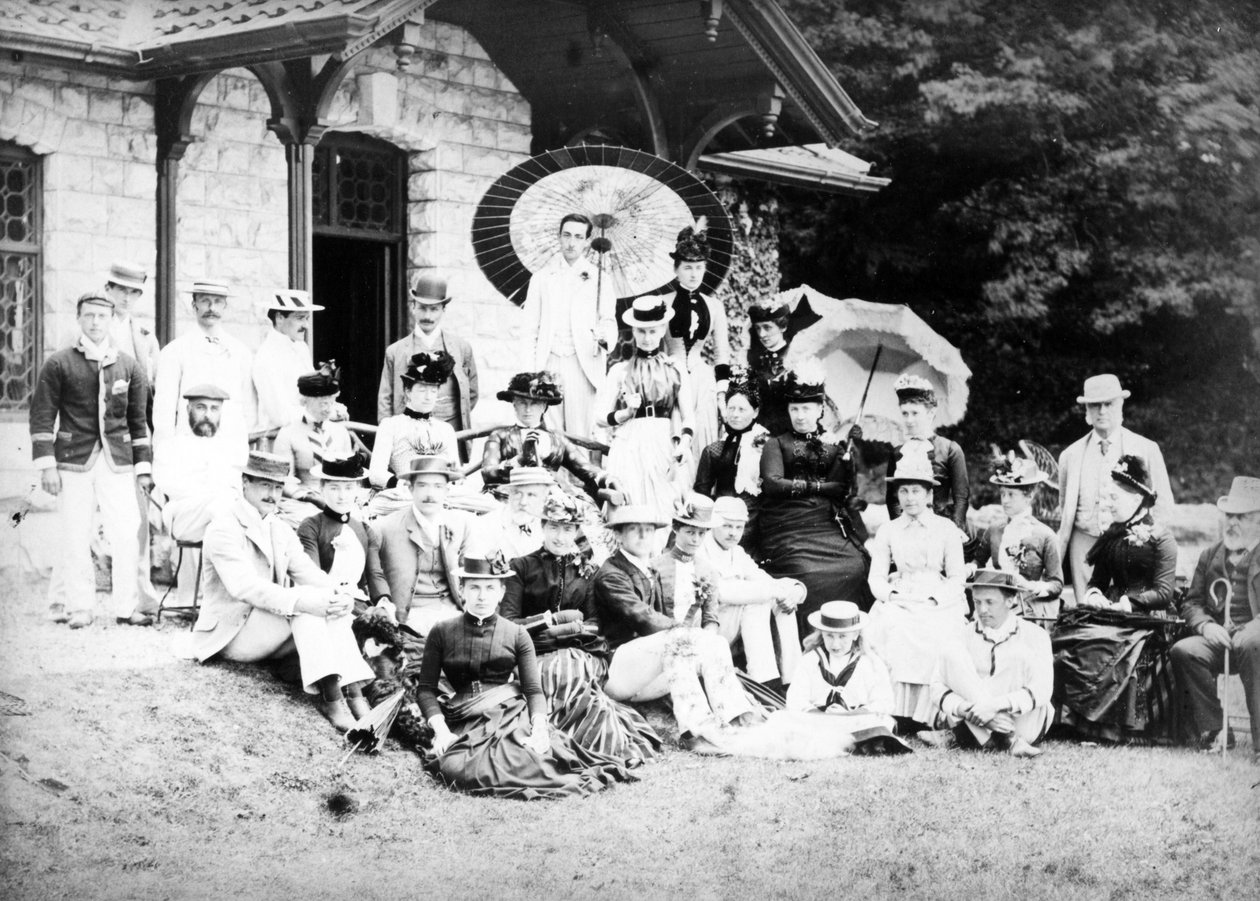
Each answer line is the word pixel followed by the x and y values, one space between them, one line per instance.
pixel 814 166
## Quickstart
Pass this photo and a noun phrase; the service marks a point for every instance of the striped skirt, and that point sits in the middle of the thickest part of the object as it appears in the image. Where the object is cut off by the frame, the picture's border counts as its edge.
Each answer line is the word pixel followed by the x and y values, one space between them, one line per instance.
pixel 571 680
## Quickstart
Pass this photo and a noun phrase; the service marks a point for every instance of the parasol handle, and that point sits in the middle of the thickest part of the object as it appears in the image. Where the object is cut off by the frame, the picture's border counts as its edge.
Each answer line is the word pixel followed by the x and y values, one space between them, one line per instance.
pixel 601 246
pixel 870 377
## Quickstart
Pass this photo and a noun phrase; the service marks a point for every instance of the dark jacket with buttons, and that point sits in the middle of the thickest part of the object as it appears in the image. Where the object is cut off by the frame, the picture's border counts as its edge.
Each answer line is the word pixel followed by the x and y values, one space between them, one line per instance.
pixel 82 406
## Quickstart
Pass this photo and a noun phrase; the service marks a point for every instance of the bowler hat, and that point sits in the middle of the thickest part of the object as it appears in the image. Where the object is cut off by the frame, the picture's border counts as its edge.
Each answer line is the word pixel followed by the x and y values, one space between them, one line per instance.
pixel 206 391
pixel 634 514
pixel 1243 497
pixel 127 275
pixel 649 310
pixel 429 290
pixel 428 464
pixel 1101 388
pixel 694 510
pixel 271 467
pixel 836 616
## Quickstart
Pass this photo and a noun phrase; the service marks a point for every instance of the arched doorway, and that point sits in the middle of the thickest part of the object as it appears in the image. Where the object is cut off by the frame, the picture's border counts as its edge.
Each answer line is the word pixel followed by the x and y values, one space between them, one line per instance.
pixel 359 203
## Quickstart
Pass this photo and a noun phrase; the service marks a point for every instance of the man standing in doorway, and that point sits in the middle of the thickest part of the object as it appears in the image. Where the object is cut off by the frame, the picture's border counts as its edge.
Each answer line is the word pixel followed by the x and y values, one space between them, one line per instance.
pixel 571 310
pixel 283 356
pixel 458 395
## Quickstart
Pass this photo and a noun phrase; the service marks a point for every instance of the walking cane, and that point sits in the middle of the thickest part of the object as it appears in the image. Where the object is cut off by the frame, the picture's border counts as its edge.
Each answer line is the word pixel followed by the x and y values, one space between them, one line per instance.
pixel 879 350
pixel 1225 605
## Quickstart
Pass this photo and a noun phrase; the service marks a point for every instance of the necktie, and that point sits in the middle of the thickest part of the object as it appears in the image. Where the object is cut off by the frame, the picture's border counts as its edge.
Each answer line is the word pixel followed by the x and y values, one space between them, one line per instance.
pixel 1105 445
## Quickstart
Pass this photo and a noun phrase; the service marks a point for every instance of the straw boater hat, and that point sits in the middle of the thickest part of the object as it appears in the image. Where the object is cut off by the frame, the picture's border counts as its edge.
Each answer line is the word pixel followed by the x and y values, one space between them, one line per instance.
pixel 913 465
pixel 1243 497
pixel 206 391
pixel 1131 472
pixel 494 567
pixel 1101 388
pixel 533 386
pixel 126 275
pixel 692 245
pixel 325 381
pixel 1017 472
pixel 634 514
pixel 347 469
pixel 561 508
pixel 271 467
pixel 649 310
pixel 429 290
pixel 994 578
pixel 837 616
pixel 530 475
pixel 914 389
pixel 215 289
pixel 428 464
pixel 805 382
pixel 430 368
pixel 694 510
pixel 292 301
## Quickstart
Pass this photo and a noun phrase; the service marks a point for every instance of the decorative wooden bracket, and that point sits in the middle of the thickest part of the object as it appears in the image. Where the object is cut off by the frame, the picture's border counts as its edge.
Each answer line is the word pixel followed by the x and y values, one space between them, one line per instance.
pixel 711 12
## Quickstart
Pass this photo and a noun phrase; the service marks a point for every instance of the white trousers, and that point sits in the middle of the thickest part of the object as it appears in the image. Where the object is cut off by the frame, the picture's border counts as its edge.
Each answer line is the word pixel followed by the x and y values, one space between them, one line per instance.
pixel 579 394
pixel 959 675
pixel 82 493
pixel 325 647
pixel 673 662
pixel 751 623
pixel 1079 544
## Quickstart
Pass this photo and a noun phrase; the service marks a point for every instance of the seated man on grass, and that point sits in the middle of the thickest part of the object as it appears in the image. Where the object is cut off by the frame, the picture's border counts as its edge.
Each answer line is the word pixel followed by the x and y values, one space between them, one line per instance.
pixel 263 598
pixel 994 691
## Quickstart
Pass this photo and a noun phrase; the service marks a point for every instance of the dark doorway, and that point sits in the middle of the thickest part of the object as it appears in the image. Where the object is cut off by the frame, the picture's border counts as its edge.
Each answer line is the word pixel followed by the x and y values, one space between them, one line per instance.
pixel 358 200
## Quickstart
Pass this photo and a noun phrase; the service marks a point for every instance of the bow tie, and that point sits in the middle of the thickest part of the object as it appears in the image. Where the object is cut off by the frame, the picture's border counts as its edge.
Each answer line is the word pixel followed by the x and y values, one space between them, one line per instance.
pixel 416 415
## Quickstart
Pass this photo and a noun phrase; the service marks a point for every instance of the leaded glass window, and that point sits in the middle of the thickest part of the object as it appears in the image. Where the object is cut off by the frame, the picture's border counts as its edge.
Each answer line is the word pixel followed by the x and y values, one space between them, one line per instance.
pixel 20 268
pixel 357 186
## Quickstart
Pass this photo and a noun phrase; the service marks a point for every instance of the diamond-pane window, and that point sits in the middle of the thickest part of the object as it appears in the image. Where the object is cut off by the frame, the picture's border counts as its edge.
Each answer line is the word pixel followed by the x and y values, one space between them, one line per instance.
pixel 357 186
pixel 20 267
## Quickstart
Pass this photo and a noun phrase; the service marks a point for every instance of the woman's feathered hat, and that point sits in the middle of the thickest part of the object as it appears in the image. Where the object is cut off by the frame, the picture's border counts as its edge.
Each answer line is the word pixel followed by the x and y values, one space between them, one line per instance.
pixel 492 565
pixel 692 245
pixel 430 368
pixel 1131 472
pixel 914 389
pixel 533 386
pixel 769 309
pixel 1013 471
pixel 805 382
pixel 347 469
pixel 561 508
pixel 741 382
pixel 325 381
pixel 913 463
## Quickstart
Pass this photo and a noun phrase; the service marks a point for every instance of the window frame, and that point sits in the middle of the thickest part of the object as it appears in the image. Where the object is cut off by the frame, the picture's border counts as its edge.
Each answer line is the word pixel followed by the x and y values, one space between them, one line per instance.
pixel 13 152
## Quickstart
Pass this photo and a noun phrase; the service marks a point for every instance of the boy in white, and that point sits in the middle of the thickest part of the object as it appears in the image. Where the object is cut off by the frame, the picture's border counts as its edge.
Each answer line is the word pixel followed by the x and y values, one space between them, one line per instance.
pixel 840 677
pixel 749 598
pixel 994 691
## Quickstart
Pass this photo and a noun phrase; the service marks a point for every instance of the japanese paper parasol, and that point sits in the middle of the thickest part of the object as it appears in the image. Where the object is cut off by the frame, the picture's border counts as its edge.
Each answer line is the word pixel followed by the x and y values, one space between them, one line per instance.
pixel 848 337
pixel 637 201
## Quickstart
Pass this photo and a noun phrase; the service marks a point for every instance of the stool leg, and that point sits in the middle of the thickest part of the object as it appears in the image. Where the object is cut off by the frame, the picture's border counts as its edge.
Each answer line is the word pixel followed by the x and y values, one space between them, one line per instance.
pixel 201 559
pixel 179 559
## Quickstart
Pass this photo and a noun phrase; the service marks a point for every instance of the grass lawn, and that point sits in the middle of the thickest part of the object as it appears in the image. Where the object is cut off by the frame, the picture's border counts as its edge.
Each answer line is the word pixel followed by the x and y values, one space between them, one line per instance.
pixel 184 781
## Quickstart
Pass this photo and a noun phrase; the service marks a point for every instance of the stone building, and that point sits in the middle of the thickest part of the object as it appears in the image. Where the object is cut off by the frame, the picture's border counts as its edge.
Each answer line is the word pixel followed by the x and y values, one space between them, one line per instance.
pixel 343 146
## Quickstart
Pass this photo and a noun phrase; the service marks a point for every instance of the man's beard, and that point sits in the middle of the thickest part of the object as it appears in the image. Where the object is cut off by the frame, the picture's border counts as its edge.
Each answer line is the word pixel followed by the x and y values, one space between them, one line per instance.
pixel 204 428
pixel 1239 540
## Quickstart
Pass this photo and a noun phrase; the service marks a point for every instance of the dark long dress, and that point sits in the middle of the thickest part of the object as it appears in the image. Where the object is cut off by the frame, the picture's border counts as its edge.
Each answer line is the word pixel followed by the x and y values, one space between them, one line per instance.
pixel 1112 674
pixel 492 717
pixel 716 473
pixel 573 668
pixel 766 368
pixel 806 532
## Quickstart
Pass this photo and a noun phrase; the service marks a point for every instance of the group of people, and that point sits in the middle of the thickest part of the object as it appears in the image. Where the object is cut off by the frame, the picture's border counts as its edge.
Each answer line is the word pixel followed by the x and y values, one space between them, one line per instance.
pixel 642 527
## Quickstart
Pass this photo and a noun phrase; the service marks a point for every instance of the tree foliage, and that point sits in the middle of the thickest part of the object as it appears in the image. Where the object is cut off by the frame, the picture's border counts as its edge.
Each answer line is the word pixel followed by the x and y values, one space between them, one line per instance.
pixel 1076 188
